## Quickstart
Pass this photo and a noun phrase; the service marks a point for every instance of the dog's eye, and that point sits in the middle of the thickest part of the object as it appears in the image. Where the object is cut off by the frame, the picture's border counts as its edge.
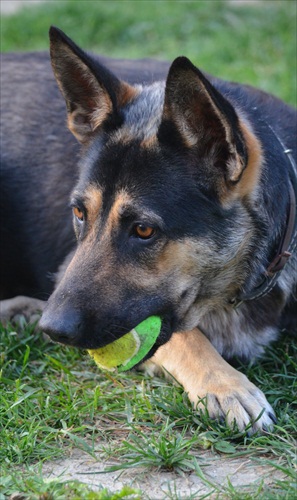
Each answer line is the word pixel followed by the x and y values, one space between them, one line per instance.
pixel 143 232
pixel 78 214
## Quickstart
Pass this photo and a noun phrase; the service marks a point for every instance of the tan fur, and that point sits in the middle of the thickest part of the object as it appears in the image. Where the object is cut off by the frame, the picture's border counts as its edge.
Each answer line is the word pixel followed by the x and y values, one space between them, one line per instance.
pixel 180 262
pixel 122 199
pixel 150 142
pixel 251 174
pixel 193 362
pixel 86 118
pixel 193 255
pixel 123 135
pixel 83 123
pixel 93 202
pixel 127 94
pixel 247 184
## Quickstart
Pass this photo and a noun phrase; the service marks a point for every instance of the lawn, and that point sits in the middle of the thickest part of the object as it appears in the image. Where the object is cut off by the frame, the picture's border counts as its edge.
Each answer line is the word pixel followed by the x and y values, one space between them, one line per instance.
pixel 250 43
pixel 53 400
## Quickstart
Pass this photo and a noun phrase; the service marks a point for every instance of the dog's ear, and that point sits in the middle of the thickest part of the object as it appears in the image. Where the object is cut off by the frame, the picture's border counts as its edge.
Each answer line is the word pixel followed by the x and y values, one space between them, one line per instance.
pixel 204 120
pixel 92 93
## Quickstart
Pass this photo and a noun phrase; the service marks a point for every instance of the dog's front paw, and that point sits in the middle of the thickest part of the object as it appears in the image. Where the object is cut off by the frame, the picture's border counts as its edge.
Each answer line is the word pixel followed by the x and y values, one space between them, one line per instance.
pixel 212 384
pixel 230 396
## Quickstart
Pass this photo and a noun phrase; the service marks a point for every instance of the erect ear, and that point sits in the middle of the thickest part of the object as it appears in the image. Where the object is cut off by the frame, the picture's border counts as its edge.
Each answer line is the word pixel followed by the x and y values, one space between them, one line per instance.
pixel 92 93
pixel 204 119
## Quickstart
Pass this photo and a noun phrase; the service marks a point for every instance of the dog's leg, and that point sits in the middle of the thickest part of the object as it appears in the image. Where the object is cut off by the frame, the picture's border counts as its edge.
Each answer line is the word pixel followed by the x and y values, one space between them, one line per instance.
pixel 191 359
pixel 28 307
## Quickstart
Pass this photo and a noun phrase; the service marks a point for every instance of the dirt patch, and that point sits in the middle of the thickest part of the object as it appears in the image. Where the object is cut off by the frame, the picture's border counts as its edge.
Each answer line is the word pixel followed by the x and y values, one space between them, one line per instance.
pixel 156 485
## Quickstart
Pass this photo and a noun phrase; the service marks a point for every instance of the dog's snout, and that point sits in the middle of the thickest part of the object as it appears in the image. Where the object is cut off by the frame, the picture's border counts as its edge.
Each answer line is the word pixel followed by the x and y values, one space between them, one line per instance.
pixel 65 328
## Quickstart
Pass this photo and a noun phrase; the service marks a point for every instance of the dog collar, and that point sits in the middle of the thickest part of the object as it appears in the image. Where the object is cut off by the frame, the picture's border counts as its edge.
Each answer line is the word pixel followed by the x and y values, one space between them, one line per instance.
pixel 288 242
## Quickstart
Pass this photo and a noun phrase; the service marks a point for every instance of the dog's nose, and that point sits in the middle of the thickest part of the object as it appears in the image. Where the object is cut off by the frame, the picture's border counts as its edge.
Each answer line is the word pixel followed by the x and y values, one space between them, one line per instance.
pixel 64 327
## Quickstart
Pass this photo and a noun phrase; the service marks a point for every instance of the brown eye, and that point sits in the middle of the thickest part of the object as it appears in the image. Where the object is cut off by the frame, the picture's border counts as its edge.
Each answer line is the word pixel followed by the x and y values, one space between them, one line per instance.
pixel 144 232
pixel 78 214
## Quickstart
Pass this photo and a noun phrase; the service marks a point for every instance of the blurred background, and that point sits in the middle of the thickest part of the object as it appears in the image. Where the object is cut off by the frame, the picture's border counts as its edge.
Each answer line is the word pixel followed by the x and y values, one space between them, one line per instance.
pixel 250 41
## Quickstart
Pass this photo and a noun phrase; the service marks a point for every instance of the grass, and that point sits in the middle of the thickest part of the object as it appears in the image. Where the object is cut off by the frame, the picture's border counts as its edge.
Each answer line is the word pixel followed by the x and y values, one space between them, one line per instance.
pixel 252 44
pixel 52 399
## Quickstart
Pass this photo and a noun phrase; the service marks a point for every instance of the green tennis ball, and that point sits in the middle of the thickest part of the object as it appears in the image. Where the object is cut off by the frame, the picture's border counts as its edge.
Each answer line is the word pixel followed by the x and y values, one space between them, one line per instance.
pixel 130 349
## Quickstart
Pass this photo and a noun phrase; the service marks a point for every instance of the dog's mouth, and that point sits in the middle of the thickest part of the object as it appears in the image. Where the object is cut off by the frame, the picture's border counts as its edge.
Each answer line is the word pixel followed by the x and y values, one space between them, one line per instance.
pixel 98 340
pixel 166 331
pixel 133 348
pixel 163 337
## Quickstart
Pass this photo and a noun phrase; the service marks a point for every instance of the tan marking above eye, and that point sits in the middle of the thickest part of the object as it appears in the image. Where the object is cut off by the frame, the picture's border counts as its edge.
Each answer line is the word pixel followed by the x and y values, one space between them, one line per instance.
pixel 78 214
pixel 144 232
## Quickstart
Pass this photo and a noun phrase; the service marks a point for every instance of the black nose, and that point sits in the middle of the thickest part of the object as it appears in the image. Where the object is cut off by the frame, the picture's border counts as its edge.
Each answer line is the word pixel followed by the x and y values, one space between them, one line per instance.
pixel 64 326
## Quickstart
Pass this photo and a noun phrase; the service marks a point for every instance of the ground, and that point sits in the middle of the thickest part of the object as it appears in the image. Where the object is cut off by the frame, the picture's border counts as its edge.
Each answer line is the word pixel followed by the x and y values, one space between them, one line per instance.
pixel 157 485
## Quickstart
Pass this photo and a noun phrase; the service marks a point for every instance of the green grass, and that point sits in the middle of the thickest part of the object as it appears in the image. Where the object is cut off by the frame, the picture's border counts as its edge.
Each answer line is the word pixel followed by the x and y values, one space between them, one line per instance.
pixel 251 44
pixel 53 399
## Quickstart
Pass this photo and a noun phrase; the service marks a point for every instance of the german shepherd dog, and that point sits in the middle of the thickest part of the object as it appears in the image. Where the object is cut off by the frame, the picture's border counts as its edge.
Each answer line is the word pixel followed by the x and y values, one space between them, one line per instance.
pixel 184 206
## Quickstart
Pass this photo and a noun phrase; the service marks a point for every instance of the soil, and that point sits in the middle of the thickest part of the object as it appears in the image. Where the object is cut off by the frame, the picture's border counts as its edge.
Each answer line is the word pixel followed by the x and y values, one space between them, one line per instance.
pixel 157 485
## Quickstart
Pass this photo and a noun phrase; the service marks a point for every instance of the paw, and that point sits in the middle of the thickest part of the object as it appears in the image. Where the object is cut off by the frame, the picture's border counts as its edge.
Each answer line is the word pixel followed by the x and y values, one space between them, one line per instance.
pixel 211 382
pixel 21 307
pixel 236 401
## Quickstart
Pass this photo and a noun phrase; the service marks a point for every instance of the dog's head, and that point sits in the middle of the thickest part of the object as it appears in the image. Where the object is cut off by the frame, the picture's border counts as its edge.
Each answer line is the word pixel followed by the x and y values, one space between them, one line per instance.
pixel 158 211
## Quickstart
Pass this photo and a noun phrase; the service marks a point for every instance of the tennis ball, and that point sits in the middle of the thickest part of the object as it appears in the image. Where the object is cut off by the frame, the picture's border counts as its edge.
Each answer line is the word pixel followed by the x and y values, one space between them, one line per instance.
pixel 130 349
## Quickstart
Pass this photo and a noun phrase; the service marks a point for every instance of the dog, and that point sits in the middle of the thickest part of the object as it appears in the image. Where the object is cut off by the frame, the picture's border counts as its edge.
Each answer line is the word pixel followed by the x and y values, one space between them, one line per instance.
pixel 183 195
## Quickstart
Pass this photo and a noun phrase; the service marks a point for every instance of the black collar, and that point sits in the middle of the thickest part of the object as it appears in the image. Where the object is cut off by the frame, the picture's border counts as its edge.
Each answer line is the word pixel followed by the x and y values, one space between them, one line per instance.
pixel 287 244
